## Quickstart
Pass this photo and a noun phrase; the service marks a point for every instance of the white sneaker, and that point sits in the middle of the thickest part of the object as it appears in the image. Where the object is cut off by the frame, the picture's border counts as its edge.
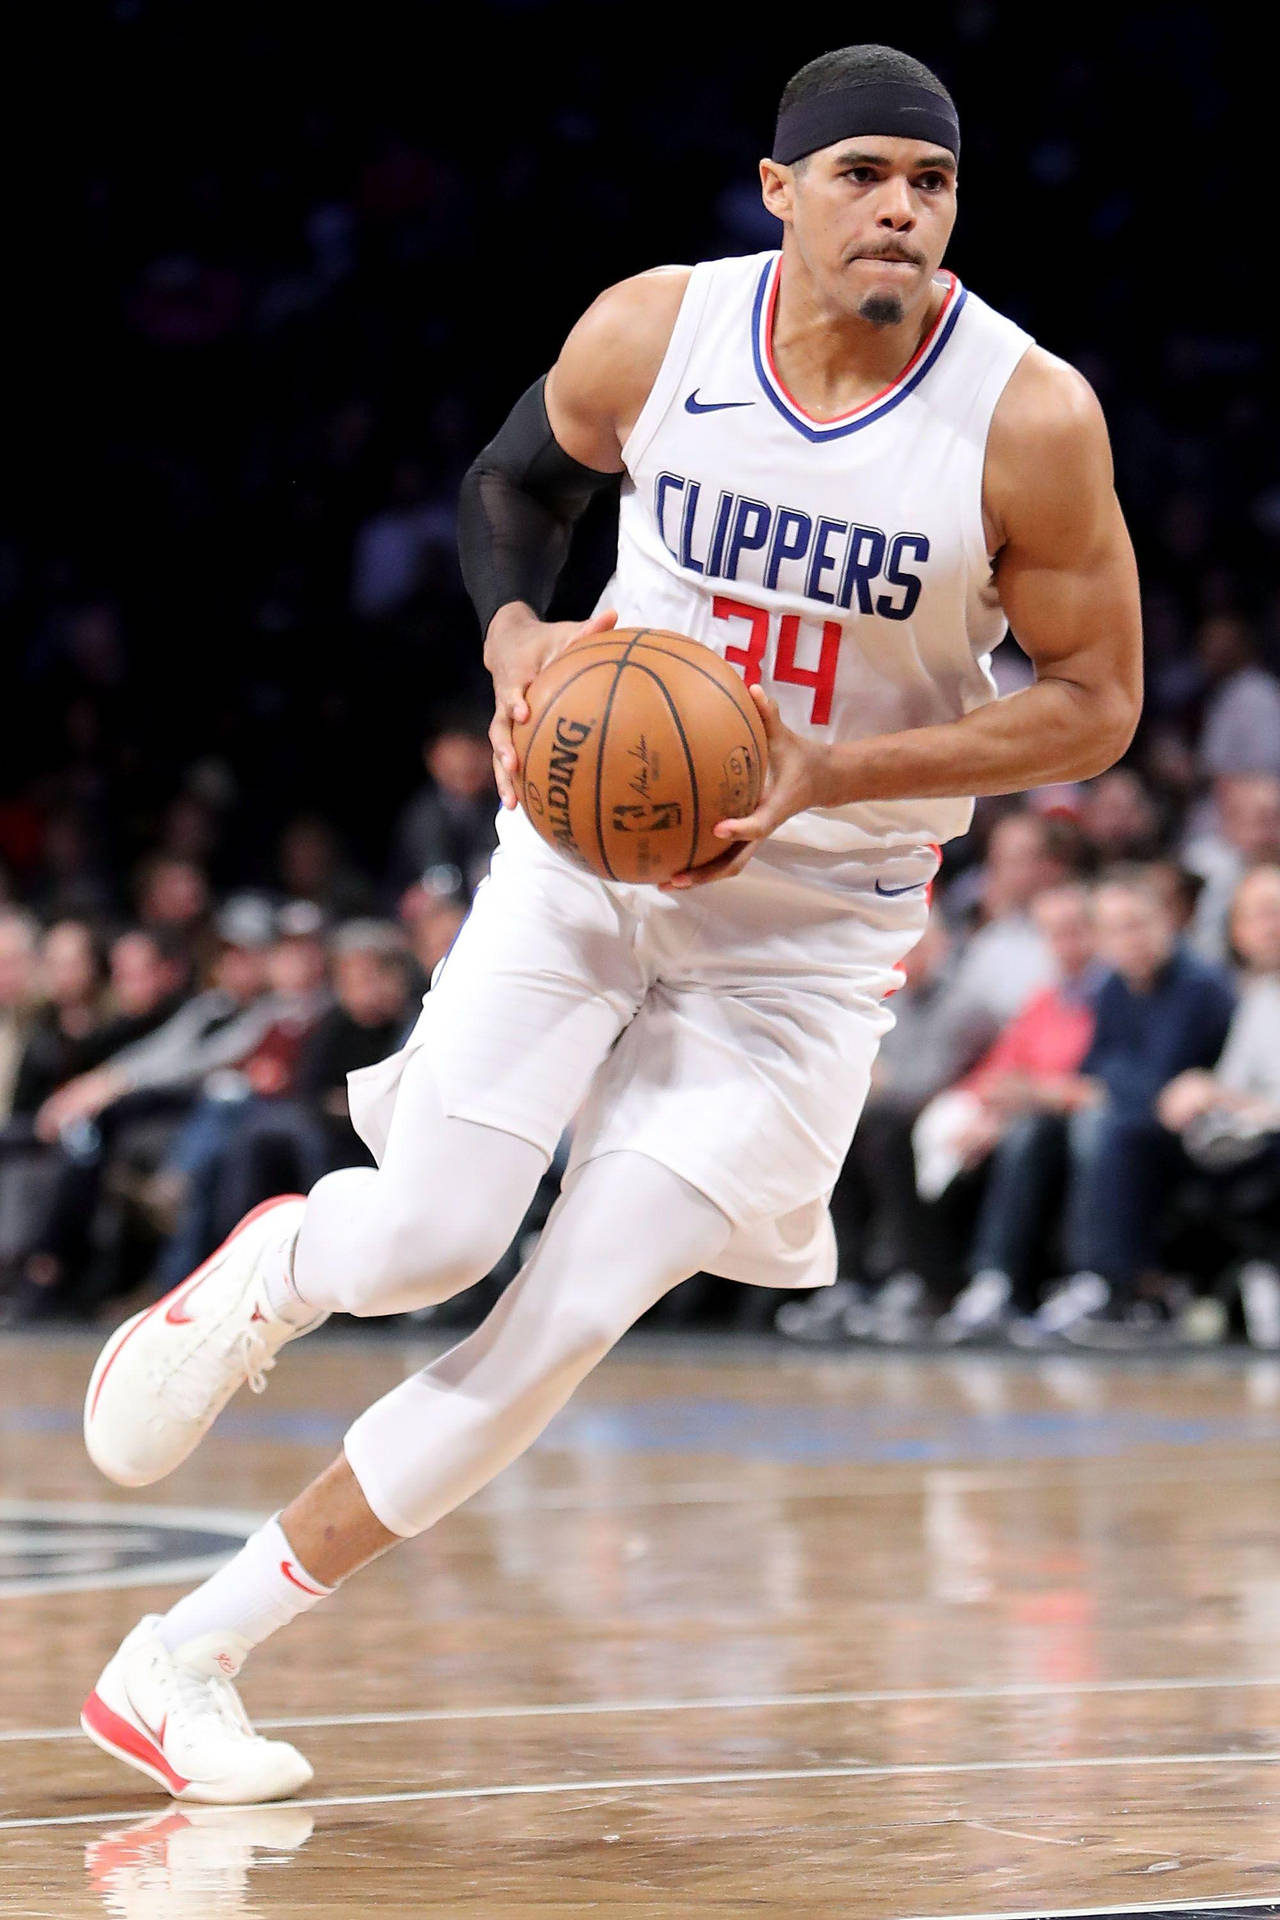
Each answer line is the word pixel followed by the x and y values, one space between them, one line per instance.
pixel 177 1718
pixel 981 1307
pixel 1083 1294
pixel 163 1377
pixel 1260 1300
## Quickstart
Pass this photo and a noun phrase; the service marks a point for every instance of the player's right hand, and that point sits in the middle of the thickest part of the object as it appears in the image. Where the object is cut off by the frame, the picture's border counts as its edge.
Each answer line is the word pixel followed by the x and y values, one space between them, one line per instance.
pixel 516 648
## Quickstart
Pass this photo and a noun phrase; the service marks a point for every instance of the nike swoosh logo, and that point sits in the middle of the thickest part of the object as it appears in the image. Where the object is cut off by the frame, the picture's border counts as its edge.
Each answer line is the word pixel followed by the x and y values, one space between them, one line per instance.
pixel 692 404
pixel 290 1573
pixel 890 893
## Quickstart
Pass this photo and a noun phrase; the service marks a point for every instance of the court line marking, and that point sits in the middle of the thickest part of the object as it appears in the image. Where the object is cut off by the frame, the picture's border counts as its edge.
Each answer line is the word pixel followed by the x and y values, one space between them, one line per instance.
pixel 739 1777
pixel 1210 1903
pixel 745 1702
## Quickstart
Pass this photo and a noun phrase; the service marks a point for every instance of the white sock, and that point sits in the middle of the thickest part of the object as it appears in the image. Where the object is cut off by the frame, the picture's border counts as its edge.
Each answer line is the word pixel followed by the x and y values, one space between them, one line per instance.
pixel 262 1589
pixel 280 1287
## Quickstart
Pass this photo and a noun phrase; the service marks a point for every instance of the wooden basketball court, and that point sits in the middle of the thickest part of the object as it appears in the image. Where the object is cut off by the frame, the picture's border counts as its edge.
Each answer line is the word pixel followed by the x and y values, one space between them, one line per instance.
pixel 870 1635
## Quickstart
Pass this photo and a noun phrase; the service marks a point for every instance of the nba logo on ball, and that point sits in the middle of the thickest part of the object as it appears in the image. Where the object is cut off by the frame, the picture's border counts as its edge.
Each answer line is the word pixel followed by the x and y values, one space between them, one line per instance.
pixel 638 743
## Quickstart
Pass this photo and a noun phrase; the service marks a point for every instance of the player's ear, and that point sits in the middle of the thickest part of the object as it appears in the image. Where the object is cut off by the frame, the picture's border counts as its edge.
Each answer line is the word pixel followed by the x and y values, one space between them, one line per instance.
pixel 776 188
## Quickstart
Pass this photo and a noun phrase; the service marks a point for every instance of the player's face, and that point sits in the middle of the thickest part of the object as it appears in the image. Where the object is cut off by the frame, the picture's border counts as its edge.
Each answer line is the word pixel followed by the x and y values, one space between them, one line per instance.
pixel 871 218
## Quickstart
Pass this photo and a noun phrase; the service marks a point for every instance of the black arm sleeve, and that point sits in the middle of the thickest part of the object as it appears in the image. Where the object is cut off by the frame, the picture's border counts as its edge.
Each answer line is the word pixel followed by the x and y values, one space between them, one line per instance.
pixel 519 501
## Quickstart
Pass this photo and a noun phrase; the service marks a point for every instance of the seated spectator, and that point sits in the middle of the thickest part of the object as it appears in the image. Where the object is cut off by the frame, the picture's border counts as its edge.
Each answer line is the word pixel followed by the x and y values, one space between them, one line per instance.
pixel 1242 832
pixel 1118 818
pixel 446 834
pixel 1161 1010
pixel 314 868
pixel 432 921
pixel 190 1190
pixel 1228 1120
pixel 19 950
pixel 72 974
pixel 148 979
pixel 218 1027
pixel 1032 1070
pixel 887 1237
pixel 1240 731
pixel 1006 960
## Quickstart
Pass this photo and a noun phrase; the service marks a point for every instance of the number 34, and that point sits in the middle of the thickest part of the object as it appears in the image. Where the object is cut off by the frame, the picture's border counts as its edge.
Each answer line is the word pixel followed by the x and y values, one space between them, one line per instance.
pixel 821 678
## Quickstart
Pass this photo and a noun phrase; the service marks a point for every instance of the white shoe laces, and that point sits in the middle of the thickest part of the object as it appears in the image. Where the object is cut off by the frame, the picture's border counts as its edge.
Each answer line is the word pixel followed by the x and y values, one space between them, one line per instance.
pixel 207 1376
pixel 200 1698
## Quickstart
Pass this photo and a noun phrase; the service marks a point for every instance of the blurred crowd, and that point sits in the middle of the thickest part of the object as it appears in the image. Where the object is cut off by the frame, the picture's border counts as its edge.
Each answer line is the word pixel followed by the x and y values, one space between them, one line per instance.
pixel 255 366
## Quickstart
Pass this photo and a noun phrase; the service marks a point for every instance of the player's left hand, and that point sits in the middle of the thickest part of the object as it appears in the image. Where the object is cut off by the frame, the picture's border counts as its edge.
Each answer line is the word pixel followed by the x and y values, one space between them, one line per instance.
pixel 792 783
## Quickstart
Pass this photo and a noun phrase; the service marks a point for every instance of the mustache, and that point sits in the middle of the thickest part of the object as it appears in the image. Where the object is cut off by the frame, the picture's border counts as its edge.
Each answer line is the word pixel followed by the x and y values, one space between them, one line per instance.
pixel 906 254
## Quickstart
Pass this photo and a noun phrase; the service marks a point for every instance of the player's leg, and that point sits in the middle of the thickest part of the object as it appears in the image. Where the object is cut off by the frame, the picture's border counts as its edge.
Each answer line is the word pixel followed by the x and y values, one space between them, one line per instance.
pixel 626 1231
pixel 543 976
pixel 434 1218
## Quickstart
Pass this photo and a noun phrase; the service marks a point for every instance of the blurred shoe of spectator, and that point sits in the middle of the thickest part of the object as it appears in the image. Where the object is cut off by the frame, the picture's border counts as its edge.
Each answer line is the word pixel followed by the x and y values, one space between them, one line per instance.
pixel 1161 1011
pixel 1244 832
pixel 1228 1120
pixel 446 834
pixel 1032 1070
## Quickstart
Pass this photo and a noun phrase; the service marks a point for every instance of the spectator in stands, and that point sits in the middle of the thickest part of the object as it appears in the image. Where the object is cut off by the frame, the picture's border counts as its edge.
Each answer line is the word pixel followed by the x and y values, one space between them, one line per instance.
pixel 191 1192
pixel 217 1028
pixel 998 1112
pixel 313 867
pixel 72 971
pixel 172 892
pixel 1228 1120
pixel 887 1236
pixel 1006 960
pixel 148 980
pixel 1161 1010
pixel 1118 818
pixel 1240 730
pixel 432 921
pixel 1243 832
pixel 19 950
pixel 446 834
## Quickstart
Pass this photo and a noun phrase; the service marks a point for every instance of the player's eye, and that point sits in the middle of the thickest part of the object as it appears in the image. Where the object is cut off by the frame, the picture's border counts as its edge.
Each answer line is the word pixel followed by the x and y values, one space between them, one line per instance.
pixel 863 175
pixel 933 182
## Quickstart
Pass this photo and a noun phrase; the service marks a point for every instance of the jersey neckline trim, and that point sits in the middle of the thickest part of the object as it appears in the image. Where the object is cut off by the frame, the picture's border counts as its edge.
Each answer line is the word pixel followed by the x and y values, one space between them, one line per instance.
pixel 763 308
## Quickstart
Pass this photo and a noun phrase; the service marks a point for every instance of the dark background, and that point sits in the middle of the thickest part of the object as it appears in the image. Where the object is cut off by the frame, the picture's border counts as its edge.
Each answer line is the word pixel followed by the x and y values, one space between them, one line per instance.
pixel 273 274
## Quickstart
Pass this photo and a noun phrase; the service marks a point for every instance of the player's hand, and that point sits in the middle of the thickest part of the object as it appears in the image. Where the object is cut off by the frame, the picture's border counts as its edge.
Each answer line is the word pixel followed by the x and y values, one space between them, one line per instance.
pixel 517 647
pixel 792 783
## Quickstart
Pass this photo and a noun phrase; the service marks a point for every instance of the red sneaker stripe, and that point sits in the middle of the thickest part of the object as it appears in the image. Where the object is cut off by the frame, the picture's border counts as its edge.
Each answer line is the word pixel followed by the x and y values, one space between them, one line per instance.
pixel 126 1739
pixel 170 1300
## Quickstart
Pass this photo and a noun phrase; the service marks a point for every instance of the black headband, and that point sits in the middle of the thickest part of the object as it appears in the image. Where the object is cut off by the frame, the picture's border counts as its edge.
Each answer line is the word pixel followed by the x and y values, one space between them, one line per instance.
pixel 872 106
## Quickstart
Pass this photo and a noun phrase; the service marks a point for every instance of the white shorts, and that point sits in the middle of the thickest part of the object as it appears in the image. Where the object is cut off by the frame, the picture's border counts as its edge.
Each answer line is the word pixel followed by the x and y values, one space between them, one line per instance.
pixel 727 1031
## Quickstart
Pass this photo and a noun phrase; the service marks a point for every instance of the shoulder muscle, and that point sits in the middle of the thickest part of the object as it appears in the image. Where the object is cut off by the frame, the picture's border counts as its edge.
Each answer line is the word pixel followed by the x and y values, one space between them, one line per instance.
pixel 1049 481
pixel 609 363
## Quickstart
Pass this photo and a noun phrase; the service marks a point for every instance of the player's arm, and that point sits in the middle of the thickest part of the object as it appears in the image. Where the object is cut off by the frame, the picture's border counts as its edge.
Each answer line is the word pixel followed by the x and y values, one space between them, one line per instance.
pixel 520 500
pixel 1067 580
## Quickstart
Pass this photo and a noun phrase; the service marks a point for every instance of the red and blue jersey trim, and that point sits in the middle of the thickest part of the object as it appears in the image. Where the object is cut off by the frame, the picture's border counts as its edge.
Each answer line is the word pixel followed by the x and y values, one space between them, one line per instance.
pixel 763 308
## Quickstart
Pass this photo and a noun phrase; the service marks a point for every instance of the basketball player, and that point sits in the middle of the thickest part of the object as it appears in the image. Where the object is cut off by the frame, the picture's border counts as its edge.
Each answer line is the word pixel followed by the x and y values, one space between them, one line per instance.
pixel 842 472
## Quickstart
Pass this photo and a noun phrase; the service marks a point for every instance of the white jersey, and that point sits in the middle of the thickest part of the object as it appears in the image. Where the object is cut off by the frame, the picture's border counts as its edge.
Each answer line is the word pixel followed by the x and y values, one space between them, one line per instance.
pixel 842 563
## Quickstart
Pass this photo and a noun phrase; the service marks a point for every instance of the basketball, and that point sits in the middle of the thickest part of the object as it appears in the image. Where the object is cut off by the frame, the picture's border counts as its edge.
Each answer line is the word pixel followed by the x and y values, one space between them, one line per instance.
pixel 638 743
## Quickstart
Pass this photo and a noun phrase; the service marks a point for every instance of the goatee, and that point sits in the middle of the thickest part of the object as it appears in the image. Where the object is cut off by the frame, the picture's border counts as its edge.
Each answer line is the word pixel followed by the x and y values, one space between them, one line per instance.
pixel 882 310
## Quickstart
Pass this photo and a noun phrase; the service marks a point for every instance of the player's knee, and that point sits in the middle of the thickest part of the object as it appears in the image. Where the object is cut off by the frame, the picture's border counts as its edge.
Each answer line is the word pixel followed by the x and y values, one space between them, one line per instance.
pixel 585 1330
pixel 421 1256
